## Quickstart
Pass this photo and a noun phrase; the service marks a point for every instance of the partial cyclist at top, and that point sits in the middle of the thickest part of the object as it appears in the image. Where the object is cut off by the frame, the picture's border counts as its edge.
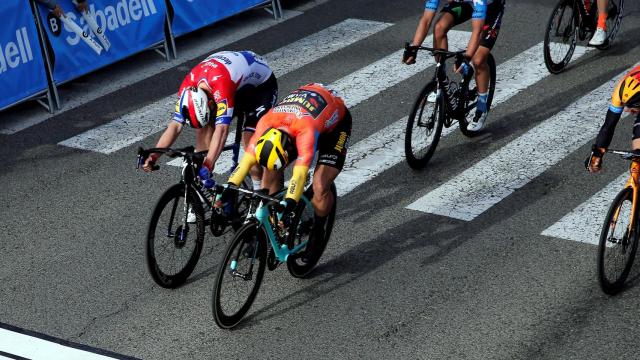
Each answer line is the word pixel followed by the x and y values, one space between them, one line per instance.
pixel 228 84
pixel 486 19
pixel 625 94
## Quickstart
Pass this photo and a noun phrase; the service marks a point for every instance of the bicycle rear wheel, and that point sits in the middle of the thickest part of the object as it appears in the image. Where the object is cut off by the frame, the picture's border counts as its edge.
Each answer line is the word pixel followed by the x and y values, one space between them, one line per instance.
pixel 473 101
pixel 424 127
pixel 240 275
pixel 614 20
pixel 301 230
pixel 618 244
pixel 173 248
pixel 561 36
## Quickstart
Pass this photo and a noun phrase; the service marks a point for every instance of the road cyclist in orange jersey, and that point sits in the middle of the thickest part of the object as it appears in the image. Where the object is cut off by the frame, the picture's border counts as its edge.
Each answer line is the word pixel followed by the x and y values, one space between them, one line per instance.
pixel 626 94
pixel 486 19
pixel 310 119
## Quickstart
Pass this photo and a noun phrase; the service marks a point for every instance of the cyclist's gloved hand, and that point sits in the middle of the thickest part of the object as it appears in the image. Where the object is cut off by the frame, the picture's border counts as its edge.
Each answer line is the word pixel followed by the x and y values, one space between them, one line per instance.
pixel 463 66
pixel 593 163
pixel 225 199
pixel 205 174
pixel 289 210
pixel 410 54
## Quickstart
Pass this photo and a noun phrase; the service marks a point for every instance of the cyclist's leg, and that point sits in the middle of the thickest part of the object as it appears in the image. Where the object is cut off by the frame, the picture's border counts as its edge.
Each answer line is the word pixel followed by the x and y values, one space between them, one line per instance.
pixel 479 61
pixel 600 34
pixel 452 14
pixel 490 32
pixel 272 180
pixel 332 152
pixel 256 103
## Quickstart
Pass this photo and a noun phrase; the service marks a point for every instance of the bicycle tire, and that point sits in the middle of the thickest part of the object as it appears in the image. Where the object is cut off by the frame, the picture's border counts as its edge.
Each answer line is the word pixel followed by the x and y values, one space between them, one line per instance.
pixel 415 160
pixel 250 234
pixel 180 274
pixel 628 244
pixel 571 38
pixel 298 268
pixel 464 123
pixel 613 24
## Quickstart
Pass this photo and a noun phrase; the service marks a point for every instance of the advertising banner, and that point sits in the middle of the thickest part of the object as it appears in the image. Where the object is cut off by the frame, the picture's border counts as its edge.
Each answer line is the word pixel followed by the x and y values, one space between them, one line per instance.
pixel 190 15
pixel 22 70
pixel 111 31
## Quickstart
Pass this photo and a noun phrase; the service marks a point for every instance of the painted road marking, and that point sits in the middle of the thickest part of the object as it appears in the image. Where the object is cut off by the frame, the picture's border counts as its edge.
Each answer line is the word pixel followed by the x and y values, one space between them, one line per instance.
pixel 497 176
pixel 224 35
pixel 152 118
pixel 17 344
pixel 384 149
pixel 364 84
pixel 584 223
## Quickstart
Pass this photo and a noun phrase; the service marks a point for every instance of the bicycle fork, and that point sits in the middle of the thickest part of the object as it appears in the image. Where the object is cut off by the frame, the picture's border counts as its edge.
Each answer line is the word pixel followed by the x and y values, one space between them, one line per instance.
pixel 633 184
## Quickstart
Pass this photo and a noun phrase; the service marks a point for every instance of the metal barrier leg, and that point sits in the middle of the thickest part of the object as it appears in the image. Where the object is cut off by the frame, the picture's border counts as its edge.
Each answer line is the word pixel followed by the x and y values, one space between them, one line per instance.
pixel 53 100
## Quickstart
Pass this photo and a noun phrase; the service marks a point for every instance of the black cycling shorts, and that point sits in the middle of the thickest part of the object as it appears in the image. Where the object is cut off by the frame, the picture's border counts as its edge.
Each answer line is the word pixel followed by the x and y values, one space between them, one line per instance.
pixel 332 146
pixel 253 102
pixel 463 11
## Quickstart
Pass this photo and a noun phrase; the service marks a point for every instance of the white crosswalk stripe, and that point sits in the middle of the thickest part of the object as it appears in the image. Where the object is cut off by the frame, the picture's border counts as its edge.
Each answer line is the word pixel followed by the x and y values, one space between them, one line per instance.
pixel 375 154
pixel 583 224
pixel 497 176
pixel 152 118
pixel 28 347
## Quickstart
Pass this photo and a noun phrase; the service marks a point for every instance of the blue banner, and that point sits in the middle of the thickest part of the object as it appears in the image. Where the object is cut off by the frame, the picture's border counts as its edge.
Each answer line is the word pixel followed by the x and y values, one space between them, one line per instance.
pixel 22 71
pixel 190 15
pixel 113 30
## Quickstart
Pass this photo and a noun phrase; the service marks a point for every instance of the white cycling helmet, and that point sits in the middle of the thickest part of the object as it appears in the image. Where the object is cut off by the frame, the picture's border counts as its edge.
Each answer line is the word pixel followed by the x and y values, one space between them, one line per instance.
pixel 194 107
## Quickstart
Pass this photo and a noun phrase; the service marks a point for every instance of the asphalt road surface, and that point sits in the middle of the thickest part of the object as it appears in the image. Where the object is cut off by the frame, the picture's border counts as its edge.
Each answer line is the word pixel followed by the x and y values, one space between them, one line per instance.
pixel 487 254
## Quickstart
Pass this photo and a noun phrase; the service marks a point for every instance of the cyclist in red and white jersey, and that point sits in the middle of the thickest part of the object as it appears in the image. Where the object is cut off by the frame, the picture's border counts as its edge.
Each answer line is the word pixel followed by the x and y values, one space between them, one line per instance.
pixel 226 84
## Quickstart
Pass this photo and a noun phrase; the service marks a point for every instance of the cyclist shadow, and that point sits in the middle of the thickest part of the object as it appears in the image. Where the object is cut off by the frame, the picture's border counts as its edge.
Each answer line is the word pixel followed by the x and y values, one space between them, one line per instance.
pixel 439 234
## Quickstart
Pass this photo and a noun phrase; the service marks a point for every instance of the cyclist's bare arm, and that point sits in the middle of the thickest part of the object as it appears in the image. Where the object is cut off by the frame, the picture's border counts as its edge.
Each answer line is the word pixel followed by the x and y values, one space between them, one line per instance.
pixel 421 33
pixel 423 27
pixel 218 140
pixel 166 140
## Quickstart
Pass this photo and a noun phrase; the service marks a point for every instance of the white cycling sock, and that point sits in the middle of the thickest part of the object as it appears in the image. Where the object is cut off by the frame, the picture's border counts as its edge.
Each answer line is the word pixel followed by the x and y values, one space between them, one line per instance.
pixel 257 184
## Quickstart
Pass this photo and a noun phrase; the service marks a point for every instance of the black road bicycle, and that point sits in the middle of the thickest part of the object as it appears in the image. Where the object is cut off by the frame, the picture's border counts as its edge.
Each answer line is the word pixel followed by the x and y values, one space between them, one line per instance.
pixel 569 22
pixel 442 102
pixel 177 226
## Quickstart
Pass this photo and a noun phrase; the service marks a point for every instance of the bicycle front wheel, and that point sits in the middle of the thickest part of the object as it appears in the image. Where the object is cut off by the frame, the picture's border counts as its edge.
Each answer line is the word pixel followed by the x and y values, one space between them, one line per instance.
pixel 614 20
pixel 424 127
pixel 618 243
pixel 174 245
pixel 560 37
pixel 240 275
pixel 302 229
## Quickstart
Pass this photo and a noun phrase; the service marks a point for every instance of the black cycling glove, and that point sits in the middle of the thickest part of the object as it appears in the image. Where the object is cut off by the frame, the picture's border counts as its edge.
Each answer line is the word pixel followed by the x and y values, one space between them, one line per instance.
pixel 409 52
pixel 596 153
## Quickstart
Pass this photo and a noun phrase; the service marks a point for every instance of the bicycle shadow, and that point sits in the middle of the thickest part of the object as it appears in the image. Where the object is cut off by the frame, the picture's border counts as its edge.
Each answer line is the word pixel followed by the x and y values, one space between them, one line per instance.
pixel 442 235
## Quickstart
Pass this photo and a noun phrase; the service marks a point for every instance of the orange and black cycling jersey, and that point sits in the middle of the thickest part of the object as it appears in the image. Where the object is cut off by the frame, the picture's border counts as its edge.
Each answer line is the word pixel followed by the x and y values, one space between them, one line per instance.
pixel 304 115
pixel 626 93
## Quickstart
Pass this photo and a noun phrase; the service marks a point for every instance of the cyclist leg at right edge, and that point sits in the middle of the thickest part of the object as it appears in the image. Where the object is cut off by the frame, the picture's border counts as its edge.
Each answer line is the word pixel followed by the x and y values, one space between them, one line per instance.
pixel 600 35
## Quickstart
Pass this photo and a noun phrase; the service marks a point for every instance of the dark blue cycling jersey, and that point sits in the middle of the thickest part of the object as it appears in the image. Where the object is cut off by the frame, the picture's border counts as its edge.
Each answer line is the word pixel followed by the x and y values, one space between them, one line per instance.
pixel 479 7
